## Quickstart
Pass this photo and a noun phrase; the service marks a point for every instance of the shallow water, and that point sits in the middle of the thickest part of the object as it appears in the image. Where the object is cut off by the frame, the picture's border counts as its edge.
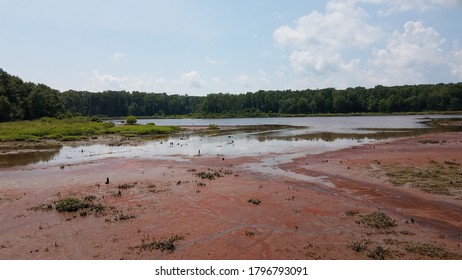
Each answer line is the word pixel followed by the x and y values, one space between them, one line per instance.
pixel 278 138
pixel 312 124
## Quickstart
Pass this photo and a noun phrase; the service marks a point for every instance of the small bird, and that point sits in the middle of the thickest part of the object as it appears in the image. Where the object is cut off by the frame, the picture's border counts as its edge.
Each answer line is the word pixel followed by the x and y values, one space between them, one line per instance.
pixel 107 180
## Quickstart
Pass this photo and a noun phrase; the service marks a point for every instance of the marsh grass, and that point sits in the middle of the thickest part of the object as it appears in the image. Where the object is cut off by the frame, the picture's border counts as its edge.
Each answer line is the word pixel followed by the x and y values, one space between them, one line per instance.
pixel 378 253
pixel 435 178
pixel 42 208
pixel 163 244
pixel 352 212
pixel 72 204
pixel 209 175
pixel 376 220
pixel 424 249
pixel 123 217
pixel 126 186
pixel 142 130
pixel 72 129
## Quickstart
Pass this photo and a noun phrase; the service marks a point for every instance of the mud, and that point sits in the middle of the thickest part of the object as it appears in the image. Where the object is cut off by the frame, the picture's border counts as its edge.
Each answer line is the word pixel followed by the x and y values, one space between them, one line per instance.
pixel 310 206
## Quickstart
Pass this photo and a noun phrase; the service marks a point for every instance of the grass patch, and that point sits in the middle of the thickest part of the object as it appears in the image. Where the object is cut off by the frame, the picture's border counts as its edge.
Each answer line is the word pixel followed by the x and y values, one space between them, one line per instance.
pixel 89 198
pixel 70 204
pixel 42 208
pixel 209 175
pixel 428 250
pixel 126 186
pixel 377 254
pixel 434 178
pixel 142 130
pixel 213 127
pixel 359 246
pixel 123 217
pixel 352 212
pixel 72 129
pixel 377 220
pixel 163 244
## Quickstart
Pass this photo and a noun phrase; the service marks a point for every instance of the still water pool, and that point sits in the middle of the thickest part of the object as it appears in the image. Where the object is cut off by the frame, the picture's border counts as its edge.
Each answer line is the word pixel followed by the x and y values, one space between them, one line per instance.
pixel 283 137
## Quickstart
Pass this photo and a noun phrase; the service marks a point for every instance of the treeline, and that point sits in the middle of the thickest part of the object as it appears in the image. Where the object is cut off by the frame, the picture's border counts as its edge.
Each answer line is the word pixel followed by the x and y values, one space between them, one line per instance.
pixel 27 101
pixel 22 101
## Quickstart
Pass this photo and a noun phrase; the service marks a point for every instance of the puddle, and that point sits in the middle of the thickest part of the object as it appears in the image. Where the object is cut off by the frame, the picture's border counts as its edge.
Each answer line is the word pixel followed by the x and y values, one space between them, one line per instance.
pixel 268 166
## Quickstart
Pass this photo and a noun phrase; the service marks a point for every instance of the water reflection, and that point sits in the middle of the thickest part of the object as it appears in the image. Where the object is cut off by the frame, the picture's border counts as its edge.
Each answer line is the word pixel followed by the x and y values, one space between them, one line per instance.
pixel 296 137
pixel 11 159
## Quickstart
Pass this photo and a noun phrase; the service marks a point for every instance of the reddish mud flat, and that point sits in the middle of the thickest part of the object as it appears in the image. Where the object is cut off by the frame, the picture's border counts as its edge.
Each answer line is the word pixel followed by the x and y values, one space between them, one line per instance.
pixel 215 208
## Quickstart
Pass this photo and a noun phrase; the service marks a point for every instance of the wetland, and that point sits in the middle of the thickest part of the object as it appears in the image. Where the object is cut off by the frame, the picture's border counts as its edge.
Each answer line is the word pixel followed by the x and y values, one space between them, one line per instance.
pixel 271 188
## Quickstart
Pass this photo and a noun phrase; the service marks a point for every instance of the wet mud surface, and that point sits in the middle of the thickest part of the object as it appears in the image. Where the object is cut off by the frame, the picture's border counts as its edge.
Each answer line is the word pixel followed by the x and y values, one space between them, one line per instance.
pixel 260 206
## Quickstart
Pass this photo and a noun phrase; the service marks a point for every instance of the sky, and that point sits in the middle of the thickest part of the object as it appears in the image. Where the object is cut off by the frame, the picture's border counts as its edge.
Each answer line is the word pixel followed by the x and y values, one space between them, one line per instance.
pixel 199 47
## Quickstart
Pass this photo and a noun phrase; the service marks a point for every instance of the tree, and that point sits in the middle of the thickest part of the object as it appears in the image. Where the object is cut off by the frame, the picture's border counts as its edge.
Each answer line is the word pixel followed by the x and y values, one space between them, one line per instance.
pixel 5 109
pixel 131 120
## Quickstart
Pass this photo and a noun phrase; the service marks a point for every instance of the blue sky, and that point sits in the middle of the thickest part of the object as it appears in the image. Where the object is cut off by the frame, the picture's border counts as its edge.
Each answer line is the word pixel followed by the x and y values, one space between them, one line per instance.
pixel 204 46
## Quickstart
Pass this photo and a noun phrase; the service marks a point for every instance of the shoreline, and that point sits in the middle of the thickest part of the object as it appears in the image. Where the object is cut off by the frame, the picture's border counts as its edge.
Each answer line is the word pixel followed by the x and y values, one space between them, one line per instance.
pixel 218 219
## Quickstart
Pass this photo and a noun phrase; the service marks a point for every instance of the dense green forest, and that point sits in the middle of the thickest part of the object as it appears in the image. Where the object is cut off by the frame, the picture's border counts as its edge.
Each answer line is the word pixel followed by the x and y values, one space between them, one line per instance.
pixel 25 101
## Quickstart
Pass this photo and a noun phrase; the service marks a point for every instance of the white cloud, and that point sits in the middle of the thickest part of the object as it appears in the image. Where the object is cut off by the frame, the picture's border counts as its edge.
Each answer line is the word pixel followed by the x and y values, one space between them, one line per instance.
pixel 313 63
pixel 394 6
pixel 102 81
pixel 340 47
pixel 111 82
pixel 193 79
pixel 456 64
pixel 408 55
pixel 318 41
pixel 117 56
pixel 343 25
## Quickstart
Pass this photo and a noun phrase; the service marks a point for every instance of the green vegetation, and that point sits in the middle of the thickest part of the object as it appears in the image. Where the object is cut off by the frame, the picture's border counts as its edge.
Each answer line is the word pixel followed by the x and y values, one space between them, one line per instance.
pixel 142 130
pixel 209 175
pixel 123 217
pixel 71 129
pixel 359 246
pixel 351 212
pixel 426 250
pixel 126 186
pixel 213 127
pixel 380 99
pixel 49 128
pixel 377 220
pixel 164 244
pixel 42 208
pixel 377 254
pixel 28 101
pixel 433 178
pixel 131 120
pixel 70 204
